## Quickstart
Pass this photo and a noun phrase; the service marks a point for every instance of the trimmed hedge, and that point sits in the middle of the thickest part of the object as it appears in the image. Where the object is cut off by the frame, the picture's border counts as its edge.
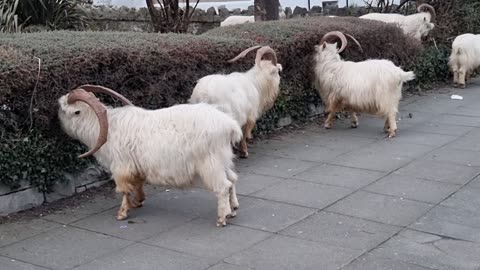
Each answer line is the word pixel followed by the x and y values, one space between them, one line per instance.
pixel 153 71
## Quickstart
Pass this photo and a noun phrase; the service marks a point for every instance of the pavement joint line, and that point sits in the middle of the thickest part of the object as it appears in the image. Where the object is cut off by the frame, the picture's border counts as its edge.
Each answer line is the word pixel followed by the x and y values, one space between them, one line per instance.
pixel 22 261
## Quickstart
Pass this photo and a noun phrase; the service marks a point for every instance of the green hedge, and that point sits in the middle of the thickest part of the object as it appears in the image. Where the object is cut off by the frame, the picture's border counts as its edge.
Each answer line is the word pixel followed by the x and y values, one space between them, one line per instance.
pixel 153 71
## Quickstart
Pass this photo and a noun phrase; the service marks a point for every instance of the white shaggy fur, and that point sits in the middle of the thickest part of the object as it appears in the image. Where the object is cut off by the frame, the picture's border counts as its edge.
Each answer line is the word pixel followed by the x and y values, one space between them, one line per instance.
pixel 416 25
pixel 243 95
pixel 237 19
pixel 180 146
pixel 465 57
pixel 372 86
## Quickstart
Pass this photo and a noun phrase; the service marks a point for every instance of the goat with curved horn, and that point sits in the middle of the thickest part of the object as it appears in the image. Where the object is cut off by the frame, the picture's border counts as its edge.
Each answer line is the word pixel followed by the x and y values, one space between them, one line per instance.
pixel 243 95
pixel 100 111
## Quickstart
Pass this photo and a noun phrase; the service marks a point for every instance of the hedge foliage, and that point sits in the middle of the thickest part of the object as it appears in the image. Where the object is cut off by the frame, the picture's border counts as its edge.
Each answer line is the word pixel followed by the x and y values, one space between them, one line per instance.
pixel 153 71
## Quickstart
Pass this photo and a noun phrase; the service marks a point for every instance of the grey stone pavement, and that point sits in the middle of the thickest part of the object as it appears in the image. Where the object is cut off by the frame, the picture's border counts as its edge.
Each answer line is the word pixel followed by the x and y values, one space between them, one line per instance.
pixel 309 199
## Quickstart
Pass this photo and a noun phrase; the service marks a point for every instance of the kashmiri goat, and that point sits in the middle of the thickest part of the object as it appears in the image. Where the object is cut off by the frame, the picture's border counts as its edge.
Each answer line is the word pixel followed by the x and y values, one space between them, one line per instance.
pixel 465 58
pixel 180 146
pixel 238 19
pixel 371 86
pixel 416 25
pixel 243 95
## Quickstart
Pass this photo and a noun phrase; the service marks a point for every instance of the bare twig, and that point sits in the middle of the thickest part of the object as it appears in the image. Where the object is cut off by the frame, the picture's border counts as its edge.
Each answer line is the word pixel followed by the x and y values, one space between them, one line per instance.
pixel 34 91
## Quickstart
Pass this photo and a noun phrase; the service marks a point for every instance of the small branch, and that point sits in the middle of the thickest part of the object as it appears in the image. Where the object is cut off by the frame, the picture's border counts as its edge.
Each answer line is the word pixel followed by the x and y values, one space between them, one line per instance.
pixel 34 91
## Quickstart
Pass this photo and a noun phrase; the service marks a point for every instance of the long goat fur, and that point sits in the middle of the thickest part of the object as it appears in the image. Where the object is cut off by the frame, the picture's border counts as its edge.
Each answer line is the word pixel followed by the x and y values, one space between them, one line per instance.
pixel 465 58
pixel 417 25
pixel 243 95
pixel 180 146
pixel 371 86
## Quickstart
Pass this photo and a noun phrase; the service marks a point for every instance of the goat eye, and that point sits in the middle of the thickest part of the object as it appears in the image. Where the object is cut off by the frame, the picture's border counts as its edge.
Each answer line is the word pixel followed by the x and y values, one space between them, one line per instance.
pixel 77 112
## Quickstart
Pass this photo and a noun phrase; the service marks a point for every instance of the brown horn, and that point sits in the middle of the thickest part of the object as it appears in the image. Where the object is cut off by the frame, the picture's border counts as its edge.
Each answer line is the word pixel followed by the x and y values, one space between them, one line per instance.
pixel 429 9
pixel 105 90
pixel 338 35
pixel 266 50
pixel 243 54
pixel 101 112
pixel 356 41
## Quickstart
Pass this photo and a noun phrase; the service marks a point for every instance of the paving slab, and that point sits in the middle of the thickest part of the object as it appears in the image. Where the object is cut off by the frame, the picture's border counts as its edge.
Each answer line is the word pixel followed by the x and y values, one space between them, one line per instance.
pixel 283 252
pixel 431 251
pixel 339 176
pixel 142 223
pixel 306 152
pixel 443 129
pixel 267 215
pixel 342 231
pixel 458 120
pixel 279 167
pixel 12 264
pixel 249 182
pixel 455 223
pixel 376 207
pixel 63 248
pixel 440 171
pixel 203 239
pixel 144 257
pixel 17 231
pixel 451 155
pixel 467 198
pixel 226 266
pixel 303 193
pixel 372 262
pixel 412 188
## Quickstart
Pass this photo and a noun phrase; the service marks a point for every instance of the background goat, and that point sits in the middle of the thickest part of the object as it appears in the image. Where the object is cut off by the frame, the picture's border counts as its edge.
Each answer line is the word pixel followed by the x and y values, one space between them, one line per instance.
pixel 178 146
pixel 243 95
pixel 416 25
pixel 465 58
pixel 372 86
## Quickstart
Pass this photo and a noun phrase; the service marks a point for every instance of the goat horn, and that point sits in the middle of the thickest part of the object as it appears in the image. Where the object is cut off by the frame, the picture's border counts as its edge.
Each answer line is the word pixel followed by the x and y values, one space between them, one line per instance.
pixel 266 50
pixel 105 90
pixel 243 54
pixel 429 8
pixel 356 41
pixel 101 112
pixel 338 35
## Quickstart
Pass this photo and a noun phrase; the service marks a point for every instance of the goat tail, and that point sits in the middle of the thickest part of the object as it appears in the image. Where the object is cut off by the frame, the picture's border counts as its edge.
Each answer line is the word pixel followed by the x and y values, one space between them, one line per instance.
pixel 407 76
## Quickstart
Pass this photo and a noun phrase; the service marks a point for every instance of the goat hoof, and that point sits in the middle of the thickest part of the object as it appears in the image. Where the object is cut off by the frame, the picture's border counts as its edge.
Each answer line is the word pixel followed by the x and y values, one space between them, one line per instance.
pixel 354 125
pixel 122 217
pixel 392 134
pixel 243 154
pixel 462 86
pixel 232 214
pixel 221 222
pixel 328 126
pixel 235 208
pixel 137 204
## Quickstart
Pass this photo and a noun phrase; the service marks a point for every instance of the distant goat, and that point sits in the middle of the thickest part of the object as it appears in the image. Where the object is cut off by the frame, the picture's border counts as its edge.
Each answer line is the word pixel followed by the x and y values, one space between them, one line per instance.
pixel 372 86
pixel 465 58
pixel 416 25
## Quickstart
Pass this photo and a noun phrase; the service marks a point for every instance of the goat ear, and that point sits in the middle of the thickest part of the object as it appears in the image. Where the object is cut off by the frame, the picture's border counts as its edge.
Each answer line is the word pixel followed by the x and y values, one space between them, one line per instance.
pixel 324 45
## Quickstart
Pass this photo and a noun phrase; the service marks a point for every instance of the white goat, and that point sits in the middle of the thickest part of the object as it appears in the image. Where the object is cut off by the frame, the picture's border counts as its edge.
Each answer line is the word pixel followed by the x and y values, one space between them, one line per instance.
pixel 180 146
pixel 372 86
pixel 238 19
pixel 465 58
pixel 416 25
pixel 243 95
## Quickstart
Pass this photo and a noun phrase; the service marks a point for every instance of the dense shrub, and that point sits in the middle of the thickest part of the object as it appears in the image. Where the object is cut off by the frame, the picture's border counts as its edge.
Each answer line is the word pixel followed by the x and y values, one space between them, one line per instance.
pixel 153 71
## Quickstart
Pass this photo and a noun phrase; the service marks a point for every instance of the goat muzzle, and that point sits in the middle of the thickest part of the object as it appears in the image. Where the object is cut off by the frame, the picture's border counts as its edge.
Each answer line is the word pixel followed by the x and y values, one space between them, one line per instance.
pixel 80 94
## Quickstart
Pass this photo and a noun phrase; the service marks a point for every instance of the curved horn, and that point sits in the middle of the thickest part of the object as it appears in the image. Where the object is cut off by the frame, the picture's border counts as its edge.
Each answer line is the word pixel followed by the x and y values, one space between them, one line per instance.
pixel 266 50
pixel 105 90
pixel 429 9
pixel 338 35
pixel 356 41
pixel 101 112
pixel 243 54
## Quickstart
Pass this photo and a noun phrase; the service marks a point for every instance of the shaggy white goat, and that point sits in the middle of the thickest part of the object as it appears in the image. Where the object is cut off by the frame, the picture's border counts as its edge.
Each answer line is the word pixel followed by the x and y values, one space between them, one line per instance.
pixel 465 58
pixel 243 95
pixel 372 86
pixel 416 25
pixel 180 146
pixel 238 19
